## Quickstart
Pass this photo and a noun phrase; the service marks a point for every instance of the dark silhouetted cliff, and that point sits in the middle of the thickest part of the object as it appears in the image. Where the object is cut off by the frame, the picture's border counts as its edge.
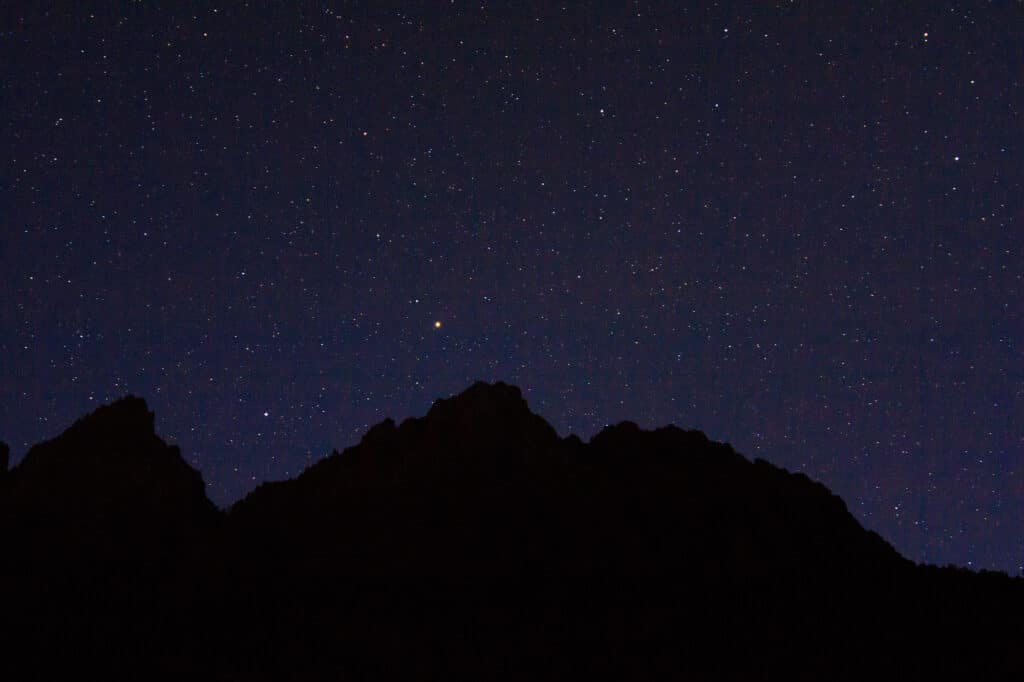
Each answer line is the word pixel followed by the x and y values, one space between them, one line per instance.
pixel 473 542
pixel 105 488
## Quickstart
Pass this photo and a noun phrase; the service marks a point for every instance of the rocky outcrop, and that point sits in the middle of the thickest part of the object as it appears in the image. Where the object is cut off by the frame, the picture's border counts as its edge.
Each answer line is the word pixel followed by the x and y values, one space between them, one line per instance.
pixel 107 486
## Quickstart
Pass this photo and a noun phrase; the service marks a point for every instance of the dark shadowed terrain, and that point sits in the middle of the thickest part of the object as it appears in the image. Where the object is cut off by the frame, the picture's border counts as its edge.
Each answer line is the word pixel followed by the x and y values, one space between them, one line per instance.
pixel 471 543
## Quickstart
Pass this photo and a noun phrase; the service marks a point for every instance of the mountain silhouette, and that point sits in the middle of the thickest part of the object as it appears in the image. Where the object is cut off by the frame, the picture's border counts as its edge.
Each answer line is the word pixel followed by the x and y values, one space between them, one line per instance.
pixel 472 542
pixel 105 487
pixel 482 486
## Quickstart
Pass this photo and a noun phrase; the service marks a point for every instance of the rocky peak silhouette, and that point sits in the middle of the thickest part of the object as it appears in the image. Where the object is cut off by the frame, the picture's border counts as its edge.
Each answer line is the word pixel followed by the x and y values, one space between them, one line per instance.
pixel 494 417
pixel 481 484
pixel 471 542
pixel 106 486
pixel 480 406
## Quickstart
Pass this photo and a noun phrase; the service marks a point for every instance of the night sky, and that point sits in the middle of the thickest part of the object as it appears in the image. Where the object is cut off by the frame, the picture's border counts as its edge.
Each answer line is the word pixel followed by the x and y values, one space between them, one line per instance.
pixel 795 226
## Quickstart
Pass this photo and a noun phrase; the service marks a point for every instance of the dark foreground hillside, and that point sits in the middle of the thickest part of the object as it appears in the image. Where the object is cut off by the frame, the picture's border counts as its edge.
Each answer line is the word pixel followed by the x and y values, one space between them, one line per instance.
pixel 472 543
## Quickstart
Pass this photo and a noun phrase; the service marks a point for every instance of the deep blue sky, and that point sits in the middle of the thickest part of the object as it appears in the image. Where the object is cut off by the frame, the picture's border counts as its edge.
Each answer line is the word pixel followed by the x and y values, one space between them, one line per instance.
pixel 795 226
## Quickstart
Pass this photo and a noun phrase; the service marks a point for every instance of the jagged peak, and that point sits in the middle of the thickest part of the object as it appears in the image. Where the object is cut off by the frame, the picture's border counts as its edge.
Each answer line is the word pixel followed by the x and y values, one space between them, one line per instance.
pixel 126 422
pixel 131 411
pixel 485 414
pixel 115 447
pixel 483 398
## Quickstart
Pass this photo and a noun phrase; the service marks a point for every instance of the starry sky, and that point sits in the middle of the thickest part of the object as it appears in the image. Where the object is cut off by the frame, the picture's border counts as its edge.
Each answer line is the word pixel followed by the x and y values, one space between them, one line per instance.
pixel 795 226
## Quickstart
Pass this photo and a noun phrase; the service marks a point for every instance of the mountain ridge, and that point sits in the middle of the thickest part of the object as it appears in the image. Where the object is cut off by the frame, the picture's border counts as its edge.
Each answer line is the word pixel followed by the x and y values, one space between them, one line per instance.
pixel 507 465
pixel 471 541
